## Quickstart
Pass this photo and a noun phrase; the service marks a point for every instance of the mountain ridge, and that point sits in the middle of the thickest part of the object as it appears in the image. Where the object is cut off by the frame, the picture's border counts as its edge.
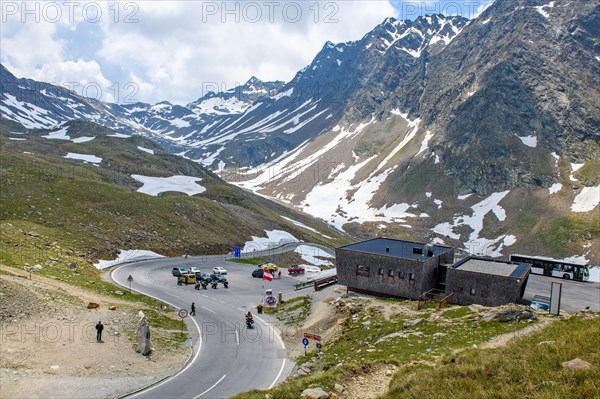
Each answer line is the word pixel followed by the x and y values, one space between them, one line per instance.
pixel 419 125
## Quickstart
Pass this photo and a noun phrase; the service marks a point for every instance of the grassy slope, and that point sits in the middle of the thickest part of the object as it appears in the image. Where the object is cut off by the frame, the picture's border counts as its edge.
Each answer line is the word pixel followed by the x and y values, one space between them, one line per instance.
pixel 78 213
pixel 523 369
pixel 358 347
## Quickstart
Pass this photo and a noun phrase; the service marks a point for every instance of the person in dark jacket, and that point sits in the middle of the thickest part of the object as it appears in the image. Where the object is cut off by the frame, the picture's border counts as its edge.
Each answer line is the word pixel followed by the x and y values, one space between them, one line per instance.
pixel 99 328
pixel 193 312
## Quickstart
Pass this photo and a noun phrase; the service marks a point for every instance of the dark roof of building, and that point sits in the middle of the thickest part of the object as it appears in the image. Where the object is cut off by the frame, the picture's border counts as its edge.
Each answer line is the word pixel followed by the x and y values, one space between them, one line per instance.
pixel 396 248
pixel 493 266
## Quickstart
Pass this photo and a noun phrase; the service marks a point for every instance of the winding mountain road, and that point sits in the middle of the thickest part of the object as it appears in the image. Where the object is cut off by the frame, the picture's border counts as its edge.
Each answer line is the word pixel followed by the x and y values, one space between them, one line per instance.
pixel 228 358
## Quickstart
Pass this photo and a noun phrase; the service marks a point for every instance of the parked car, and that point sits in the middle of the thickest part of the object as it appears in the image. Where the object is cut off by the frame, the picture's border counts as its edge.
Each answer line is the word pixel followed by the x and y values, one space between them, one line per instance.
pixel 179 271
pixel 296 269
pixel 218 278
pixel 219 270
pixel 258 273
pixel 189 278
pixel 203 277
pixel 194 270
pixel 268 265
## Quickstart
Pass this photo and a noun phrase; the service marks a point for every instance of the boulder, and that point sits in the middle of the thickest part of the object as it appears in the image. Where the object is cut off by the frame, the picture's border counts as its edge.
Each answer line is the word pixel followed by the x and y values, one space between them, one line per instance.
pixel 509 313
pixel 112 307
pixel 413 323
pixel 143 336
pixel 576 364
pixel 93 305
pixel 314 393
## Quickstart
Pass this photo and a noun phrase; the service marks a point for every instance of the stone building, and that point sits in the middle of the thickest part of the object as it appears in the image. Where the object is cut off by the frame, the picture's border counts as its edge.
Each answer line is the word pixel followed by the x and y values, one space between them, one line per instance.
pixel 487 282
pixel 388 267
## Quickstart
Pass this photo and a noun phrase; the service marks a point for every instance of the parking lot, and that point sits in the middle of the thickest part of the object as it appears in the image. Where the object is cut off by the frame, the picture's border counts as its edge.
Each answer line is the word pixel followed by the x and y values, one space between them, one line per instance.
pixel 575 295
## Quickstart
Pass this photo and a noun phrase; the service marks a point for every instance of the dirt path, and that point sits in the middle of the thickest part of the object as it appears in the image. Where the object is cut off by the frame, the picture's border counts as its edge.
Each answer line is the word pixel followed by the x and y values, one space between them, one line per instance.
pixel 48 342
pixel 503 340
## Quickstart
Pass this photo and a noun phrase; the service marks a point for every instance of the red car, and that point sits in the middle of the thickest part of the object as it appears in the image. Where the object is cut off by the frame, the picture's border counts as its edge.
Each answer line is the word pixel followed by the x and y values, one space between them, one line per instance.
pixel 296 269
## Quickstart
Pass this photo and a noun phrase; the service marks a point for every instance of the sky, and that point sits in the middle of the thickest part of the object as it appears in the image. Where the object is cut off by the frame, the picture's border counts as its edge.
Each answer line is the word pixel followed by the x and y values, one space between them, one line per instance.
pixel 177 51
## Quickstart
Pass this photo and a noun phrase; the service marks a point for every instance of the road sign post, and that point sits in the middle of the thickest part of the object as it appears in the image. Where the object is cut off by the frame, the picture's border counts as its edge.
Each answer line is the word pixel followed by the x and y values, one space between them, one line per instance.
pixel 182 314
pixel 129 280
pixel 305 343
pixel 312 336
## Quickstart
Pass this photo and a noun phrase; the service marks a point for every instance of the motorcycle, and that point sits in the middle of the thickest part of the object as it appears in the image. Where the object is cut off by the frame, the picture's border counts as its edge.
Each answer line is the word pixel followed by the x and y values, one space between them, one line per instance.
pixel 214 284
pixel 226 284
pixel 249 322
pixel 204 285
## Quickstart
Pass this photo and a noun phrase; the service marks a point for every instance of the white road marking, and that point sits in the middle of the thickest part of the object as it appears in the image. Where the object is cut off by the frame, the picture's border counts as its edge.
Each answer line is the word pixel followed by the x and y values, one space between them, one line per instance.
pixel 189 364
pixel 215 384
pixel 278 375
pixel 237 337
pixel 210 310
pixel 274 330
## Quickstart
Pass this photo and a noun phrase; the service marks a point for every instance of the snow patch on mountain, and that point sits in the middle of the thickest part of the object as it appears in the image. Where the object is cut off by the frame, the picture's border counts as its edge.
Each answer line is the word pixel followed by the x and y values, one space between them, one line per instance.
pixel 574 168
pixel 129 255
pixel 83 139
pixel 156 185
pixel 144 149
pixel 529 141
pixel 274 239
pixel 84 157
pixel 586 200
pixel 542 9
pixel 299 224
pixel 29 115
pixel 475 244
pixel 556 187
pixel 311 254
pixel 60 134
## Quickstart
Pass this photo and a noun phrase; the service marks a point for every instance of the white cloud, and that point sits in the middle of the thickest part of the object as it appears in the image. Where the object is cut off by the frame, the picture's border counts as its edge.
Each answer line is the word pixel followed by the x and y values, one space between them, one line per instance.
pixel 176 48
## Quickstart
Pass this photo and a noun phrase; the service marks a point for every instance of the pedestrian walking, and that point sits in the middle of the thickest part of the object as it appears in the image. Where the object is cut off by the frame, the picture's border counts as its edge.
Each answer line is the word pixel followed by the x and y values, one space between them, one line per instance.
pixel 99 328
pixel 279 275
pixel 193 312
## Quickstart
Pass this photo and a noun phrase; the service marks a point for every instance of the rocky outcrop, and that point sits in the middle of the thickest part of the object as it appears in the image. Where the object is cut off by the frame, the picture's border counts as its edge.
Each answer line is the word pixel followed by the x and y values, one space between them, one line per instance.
pixel 314 393
pixel 509 313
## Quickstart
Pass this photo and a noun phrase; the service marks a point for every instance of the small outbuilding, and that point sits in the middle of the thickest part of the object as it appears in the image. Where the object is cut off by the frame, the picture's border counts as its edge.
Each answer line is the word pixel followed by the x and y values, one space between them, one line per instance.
pixel 488 282
pixel 395 268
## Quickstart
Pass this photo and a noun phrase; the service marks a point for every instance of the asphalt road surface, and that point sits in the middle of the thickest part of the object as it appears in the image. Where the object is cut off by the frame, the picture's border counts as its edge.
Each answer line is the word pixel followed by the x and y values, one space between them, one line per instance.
pixel 575 295
pixel 228 358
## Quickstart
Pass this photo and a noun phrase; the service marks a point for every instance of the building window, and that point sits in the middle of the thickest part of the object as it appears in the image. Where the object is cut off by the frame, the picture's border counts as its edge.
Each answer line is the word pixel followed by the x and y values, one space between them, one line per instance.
pixel 484 294
pixel 391 273
pixel 363 270
pixel 472 291
pixel 411 276
pixel 401 275
pixel 380 271
pixel 460 289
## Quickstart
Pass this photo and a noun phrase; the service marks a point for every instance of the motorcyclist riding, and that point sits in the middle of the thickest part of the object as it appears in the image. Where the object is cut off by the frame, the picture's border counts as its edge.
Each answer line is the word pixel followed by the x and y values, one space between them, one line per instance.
pixel 249 320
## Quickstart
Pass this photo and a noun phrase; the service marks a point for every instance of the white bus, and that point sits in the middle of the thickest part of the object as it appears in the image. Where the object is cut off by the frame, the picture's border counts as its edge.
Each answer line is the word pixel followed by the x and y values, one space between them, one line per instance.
pixel 554 268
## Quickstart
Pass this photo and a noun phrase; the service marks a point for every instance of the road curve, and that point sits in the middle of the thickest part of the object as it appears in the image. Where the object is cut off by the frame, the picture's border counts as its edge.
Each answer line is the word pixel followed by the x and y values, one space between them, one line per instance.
pixel 227 357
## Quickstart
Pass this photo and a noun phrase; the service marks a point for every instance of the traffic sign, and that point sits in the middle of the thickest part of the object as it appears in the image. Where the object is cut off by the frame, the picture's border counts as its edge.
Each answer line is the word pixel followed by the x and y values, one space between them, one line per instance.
pixel 305 342
pixel 318 345
pixel 271 300
pixel 183 313
pixel 237 252
pixel 312 336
